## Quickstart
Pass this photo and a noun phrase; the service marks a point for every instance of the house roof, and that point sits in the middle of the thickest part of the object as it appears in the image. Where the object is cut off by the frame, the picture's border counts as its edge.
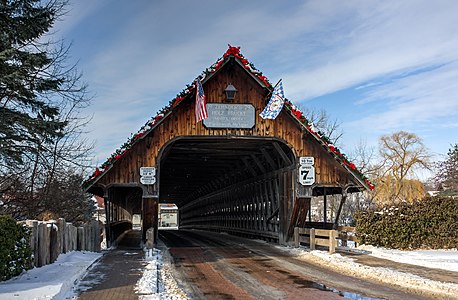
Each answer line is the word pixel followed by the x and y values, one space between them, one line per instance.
pixel 232 52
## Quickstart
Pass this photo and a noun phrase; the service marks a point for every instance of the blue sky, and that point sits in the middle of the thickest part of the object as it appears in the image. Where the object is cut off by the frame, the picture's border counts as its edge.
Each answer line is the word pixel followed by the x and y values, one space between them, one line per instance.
pixel 376 66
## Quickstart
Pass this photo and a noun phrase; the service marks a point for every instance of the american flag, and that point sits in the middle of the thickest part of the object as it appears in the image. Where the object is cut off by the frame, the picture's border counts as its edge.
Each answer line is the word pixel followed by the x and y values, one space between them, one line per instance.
pixel 201 102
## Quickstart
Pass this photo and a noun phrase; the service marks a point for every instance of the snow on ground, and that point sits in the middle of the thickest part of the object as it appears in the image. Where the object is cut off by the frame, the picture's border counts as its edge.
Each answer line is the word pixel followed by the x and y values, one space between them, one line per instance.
pixel 439 259
pixel 157 281
pixel 56 281
pixel 446 259
pixel 52 281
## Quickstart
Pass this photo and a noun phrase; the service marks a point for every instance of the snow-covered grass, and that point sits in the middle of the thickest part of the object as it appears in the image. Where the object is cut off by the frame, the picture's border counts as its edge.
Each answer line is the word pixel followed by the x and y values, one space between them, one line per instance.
pixel 439 259
pixel 444 259
pixel 54 281
pixel 157 281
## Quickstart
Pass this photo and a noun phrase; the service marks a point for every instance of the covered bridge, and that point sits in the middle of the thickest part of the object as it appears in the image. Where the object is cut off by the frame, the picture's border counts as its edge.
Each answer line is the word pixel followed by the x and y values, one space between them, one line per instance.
pixel 233 172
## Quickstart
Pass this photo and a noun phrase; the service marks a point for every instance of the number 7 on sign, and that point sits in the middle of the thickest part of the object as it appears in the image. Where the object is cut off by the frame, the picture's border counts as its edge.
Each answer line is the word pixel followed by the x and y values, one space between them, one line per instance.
pixel 304 174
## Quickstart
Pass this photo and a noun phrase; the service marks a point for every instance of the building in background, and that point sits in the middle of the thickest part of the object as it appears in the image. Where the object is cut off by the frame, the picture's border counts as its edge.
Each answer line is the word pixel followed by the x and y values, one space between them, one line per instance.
pixel 168 215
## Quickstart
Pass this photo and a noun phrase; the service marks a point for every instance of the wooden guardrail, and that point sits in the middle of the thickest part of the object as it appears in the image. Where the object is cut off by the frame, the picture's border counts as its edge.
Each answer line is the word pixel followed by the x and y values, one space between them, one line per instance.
pixel 316 237
pixel 347 233
pixel 49 239
pixel 324 237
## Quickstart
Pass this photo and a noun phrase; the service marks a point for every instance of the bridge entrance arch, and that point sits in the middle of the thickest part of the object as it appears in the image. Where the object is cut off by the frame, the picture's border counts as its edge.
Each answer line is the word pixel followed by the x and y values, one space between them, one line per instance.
pixel 228 183
pixel 235 171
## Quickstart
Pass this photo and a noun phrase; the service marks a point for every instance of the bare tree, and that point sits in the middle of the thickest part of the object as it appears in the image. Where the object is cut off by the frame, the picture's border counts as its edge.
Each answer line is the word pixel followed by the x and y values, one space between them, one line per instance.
pixel 321 120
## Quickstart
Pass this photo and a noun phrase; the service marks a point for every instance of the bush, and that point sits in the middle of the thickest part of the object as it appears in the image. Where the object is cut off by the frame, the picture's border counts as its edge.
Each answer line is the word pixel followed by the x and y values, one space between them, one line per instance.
pixel 427 224
pixel 15 251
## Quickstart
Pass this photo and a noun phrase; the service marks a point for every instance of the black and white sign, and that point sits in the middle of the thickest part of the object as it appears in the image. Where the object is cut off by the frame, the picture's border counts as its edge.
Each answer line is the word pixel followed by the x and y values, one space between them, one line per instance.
pixel 148 180
pixel 148 175
pixel 221 115
pixel 306 161
pixel 306 174
pixel 147 171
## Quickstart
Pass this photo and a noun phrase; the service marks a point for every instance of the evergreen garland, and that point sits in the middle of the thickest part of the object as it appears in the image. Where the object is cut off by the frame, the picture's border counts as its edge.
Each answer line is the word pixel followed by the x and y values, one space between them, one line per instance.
pixel 234 52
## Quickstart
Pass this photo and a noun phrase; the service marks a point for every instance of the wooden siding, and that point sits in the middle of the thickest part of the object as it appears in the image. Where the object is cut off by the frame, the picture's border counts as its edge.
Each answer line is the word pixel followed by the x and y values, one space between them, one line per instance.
pixel 181 122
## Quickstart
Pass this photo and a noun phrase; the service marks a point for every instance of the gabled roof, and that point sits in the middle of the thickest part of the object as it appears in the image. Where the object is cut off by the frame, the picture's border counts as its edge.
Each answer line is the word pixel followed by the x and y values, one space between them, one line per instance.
pixel 232 52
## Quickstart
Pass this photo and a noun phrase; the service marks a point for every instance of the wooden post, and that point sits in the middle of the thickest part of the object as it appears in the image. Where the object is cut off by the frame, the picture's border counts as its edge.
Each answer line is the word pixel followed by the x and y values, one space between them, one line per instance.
pixel 150 216
pixel 332 241
pixel 34 242
pixel 312 239
pixel 107 219
pixel 80 239
pixel 344 238
pixel 46 244
pixel 74 239
pixel 43 244
pixel 61 235
pixel 325 206
pixel 89 239
pixel 342 202
pixel 296 237
pixel 96 228
pixel 54 243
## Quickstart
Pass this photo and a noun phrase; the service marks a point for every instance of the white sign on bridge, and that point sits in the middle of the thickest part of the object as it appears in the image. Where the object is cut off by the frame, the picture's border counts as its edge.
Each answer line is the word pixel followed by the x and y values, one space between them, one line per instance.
pixel 148 180
pixel 148 175
pixel 306 161
pixel 147 171
pixel 306 175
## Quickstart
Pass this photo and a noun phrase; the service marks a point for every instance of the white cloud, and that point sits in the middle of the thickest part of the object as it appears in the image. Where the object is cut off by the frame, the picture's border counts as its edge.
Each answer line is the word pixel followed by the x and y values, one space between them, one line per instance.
pixel 317 47
pixel 382 39
pixel 416 100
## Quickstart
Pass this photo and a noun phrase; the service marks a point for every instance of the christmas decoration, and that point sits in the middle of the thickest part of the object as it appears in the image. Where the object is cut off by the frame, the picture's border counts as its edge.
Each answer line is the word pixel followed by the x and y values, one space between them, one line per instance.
pixel 166 111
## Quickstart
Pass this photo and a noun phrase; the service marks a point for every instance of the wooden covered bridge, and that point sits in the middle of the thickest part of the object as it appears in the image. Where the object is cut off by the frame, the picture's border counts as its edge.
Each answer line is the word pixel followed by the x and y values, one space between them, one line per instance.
pixel 233 172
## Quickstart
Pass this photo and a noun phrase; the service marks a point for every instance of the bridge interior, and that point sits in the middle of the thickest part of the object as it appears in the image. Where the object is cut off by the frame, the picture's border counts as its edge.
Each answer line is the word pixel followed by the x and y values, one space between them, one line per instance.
pixel 230 184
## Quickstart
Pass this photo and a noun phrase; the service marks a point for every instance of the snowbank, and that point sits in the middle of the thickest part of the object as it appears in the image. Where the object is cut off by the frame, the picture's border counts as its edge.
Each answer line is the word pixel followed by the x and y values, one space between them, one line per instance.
pixel 52 281
pixel 439 259
pixel 157 281
pixel 446 259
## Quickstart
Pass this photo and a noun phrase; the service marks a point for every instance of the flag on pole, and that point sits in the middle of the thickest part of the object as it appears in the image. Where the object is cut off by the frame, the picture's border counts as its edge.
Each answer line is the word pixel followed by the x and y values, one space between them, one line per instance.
pixel 201 102
pixel 273 108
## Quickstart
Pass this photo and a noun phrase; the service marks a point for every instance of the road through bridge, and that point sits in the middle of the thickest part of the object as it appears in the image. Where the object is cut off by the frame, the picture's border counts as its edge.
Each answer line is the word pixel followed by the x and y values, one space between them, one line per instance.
pixel 234 171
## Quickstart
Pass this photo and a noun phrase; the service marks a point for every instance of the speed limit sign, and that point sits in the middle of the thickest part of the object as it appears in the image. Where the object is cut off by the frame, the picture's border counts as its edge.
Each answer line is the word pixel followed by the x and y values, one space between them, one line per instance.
pixel 306 174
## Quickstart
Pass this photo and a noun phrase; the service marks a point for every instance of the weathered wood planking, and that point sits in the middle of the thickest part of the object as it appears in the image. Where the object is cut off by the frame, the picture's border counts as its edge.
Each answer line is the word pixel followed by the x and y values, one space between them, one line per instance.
pixel 181 122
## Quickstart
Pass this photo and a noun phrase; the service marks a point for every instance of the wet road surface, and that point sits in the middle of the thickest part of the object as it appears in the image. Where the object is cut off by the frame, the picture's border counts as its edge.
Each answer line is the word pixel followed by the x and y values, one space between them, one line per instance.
pixel 220 266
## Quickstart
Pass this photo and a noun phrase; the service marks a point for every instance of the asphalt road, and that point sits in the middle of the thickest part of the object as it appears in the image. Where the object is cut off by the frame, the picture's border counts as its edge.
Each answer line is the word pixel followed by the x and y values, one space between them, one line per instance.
pixel 220 266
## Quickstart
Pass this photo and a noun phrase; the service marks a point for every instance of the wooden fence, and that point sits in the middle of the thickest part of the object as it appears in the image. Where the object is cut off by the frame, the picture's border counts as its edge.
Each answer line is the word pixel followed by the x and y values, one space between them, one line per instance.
pixel 49 239
pixel 323 237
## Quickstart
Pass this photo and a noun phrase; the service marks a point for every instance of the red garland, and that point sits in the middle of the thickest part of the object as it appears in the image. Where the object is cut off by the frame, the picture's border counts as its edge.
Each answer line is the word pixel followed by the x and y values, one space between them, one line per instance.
pixel 232 51
pixel 96 173
pixel 264 79
pixel 177 100
pixel 138 135
pixel 218 65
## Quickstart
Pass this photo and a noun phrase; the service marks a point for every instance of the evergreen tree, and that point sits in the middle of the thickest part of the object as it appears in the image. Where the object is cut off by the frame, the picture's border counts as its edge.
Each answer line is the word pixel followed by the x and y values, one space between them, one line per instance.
pixel 447 175
pixel 42 151
pixel 30 78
